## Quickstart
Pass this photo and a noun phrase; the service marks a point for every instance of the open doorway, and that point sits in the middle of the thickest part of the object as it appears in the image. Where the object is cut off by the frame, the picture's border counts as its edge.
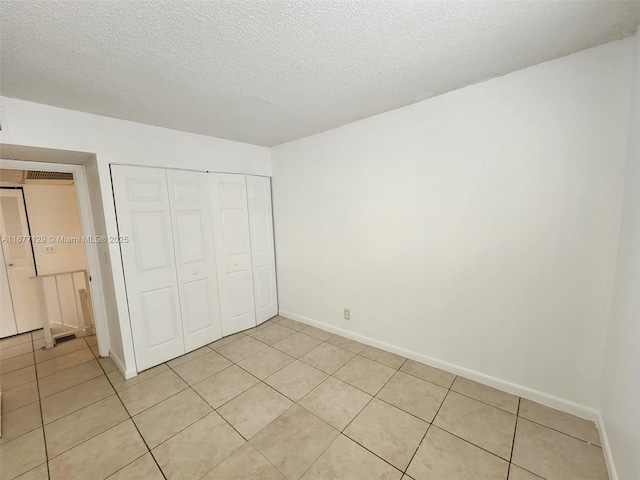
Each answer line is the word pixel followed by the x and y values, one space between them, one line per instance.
pixel 44 284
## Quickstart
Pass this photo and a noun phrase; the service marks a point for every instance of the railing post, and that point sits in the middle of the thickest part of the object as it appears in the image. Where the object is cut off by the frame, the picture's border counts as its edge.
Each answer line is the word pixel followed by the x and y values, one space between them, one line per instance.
pixel 44 314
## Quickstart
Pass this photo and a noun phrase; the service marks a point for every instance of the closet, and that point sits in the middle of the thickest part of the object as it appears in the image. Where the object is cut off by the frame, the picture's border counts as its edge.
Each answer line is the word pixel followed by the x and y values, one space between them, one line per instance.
pixel 198 257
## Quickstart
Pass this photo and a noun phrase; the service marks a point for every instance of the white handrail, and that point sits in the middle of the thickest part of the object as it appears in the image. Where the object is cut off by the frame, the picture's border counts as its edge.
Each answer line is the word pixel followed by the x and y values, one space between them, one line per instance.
pixel 86 314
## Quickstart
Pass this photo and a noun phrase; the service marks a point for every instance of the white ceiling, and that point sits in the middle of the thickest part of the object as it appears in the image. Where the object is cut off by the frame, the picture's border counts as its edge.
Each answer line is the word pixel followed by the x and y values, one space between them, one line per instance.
pixel 266 72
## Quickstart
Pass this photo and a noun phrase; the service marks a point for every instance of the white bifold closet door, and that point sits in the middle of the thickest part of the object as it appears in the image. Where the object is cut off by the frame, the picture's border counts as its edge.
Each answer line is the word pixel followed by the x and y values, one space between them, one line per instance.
pixel 190 204
pixel 233 249
pixel 144 216
pixel 262 249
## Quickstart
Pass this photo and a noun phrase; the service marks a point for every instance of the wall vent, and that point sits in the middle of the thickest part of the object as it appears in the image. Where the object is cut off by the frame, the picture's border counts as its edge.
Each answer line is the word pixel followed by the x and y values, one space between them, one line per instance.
pixel 41 175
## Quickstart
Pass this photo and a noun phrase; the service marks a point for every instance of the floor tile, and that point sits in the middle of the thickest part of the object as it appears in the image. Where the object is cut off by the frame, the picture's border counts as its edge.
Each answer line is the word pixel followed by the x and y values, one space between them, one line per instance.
pixel 204 366
pixel 16 363
pixel 327 358
pixel 297 344
pixel 241 348
pixel 95 351
pixel 119 383
pixel 517 473
pixel 17 377
pixel 107 364
pixel 317 333
pixel 68 378
pixel 296 380
pixel 20 421
pixel 16 350
pixel 346 343
pixel 272 334
pixel 151 391
pixel 41 472
pixel 430 374
pixel 476 422
pixel 265 362
pixel 144 468
pixel 67 432
pixel 226 340
pixel 246 463
pixel 388 432
pixel 442 455
pixel 63 362
pixel 387 358
pixel 254 409
pixel 188 357
pixel 346 460
pixel 413 395
pixel 19 396
pixel 294 441
pixel 22 454
pixel 14 340
pixel 563 422
pixel 169 417
pixel 91 339
pixel 68 401
pixel 60 349
pixel 365 374
pixel 336 402
pixel 554 455
pixel 100 456
pixel 196 450
pixel 292 324
pixel 224 386
pixel 486 394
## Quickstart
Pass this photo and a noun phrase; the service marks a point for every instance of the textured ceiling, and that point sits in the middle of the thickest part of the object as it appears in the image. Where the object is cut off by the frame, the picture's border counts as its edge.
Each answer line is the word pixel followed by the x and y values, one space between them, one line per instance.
pixel 266 72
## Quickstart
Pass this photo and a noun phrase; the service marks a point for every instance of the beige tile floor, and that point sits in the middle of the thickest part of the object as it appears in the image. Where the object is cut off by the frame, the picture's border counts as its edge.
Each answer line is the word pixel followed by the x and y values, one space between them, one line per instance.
pixel 280 401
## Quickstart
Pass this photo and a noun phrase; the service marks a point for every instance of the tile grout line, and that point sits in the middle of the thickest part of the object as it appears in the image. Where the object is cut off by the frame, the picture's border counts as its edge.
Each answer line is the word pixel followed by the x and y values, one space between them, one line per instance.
pixel 430 425
pixel 135 426
pixel 44 436
pixel 513 441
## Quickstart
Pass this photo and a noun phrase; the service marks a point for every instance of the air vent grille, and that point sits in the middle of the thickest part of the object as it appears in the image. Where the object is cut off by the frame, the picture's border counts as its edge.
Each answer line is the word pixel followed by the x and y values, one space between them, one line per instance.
pixel 40 175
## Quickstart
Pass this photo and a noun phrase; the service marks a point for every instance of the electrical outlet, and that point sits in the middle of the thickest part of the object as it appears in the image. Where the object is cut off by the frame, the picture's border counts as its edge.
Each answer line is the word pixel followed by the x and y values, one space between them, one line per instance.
pixel 347 314
pixel 48 249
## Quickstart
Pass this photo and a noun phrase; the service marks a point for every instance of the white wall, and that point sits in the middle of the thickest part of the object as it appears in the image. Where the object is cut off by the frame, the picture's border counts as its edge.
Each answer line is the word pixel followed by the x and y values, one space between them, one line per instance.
pixel 53 212
pixel 113 141
pixel 474 231
pixel 621 381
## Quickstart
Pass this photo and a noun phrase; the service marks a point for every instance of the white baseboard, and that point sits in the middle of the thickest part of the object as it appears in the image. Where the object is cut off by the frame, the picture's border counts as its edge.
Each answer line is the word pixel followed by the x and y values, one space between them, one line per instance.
pixel 606 448
pixel 127 374
pixel 552 401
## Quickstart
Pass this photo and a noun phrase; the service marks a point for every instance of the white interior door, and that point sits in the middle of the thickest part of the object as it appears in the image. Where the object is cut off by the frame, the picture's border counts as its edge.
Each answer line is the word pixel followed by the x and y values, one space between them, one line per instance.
pixel 233 250
pixel 262 250
pixel 18 258
pixel 8 325
pixel 144 216
pixel 190 203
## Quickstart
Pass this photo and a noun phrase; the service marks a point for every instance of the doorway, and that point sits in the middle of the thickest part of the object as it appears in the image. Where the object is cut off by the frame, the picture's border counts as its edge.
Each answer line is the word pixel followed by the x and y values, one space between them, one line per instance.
pixel 43 273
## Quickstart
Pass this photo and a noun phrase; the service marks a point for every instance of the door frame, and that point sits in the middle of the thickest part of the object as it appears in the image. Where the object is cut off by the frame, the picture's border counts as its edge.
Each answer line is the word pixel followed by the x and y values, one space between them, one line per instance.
pixel 92 255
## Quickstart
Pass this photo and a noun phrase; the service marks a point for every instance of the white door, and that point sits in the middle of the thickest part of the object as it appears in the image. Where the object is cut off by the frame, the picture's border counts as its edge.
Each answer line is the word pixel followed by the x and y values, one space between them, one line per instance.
pixel 262 251
pixel 18 258
pixel 8 325
pixel 190 204
pixel 233 250
pixel 143 214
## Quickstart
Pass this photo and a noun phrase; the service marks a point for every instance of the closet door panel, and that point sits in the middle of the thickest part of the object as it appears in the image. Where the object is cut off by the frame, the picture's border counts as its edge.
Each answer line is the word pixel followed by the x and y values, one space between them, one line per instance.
pixel 231 234
pixel 189 200
pixel 262 247
pixel 143 215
